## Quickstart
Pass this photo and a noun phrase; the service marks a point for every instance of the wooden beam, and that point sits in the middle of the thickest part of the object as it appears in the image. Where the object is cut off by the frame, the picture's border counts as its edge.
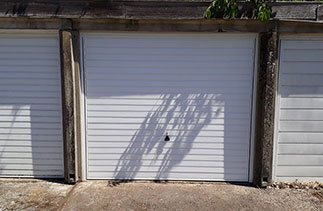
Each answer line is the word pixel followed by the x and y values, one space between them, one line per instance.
pixel 69 106
pixel 265 108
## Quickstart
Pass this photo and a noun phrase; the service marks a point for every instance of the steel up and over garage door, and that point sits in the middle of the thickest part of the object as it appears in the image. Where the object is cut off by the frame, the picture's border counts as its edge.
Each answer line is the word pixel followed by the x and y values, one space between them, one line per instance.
pixel 299 125
pixel 194 88
pixel 30 106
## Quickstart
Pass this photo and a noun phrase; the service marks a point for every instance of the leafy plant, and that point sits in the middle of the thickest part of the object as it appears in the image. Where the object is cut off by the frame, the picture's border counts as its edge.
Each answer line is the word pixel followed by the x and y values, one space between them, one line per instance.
pixel 230 9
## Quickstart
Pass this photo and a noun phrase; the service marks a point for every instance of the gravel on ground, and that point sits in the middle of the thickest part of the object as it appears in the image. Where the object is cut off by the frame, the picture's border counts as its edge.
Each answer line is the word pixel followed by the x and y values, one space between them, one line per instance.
pixel 32 194
pixel 139 196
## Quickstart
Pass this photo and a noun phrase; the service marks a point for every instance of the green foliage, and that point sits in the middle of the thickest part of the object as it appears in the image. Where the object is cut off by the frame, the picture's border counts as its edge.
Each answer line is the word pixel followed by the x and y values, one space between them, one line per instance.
pixel 263 11
pixel 229 9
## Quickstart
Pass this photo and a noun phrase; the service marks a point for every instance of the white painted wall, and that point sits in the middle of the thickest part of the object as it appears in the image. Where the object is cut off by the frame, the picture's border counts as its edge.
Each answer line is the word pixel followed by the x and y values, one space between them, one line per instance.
pixel 30 106
pixel 195 87
pixel 299 117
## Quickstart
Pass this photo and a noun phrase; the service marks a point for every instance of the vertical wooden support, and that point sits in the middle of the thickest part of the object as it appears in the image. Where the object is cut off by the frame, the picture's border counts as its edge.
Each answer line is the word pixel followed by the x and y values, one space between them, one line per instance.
pixel 70 77
pixel 77 97
pixel 265 111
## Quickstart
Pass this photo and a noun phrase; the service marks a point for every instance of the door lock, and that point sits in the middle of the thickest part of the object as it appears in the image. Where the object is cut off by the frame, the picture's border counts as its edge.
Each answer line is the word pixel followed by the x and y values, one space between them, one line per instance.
pixel 167 137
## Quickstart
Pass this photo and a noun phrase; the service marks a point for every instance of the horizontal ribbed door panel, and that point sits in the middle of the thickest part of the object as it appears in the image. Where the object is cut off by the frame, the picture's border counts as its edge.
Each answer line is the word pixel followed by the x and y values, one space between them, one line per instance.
pixel 195 88
pixel 299 127
pixel 30 106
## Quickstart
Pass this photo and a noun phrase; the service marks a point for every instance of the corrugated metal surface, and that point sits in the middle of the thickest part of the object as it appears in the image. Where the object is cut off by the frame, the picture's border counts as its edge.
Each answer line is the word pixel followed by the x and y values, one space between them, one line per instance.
pixel 30 106
pixel 299 139
pixel 195 87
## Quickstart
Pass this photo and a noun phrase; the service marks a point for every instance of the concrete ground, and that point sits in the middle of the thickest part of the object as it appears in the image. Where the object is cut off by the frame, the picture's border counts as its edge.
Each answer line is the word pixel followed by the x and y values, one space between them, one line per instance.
pixel 32 194
pixel 104 195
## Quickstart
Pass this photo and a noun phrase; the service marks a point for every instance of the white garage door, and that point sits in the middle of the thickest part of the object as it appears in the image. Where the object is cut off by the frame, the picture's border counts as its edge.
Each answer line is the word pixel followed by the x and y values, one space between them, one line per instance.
pixel 299 127
pixel 30 106
pixel 195 88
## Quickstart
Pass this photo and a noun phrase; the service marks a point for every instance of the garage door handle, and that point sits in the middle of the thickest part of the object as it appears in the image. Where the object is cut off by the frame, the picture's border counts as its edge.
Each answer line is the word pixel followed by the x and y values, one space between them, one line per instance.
pixel 167 137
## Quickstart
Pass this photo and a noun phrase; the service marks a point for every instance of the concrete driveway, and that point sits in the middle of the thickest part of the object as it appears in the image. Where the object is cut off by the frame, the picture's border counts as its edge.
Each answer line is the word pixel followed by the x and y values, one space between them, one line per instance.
pixel 104 195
